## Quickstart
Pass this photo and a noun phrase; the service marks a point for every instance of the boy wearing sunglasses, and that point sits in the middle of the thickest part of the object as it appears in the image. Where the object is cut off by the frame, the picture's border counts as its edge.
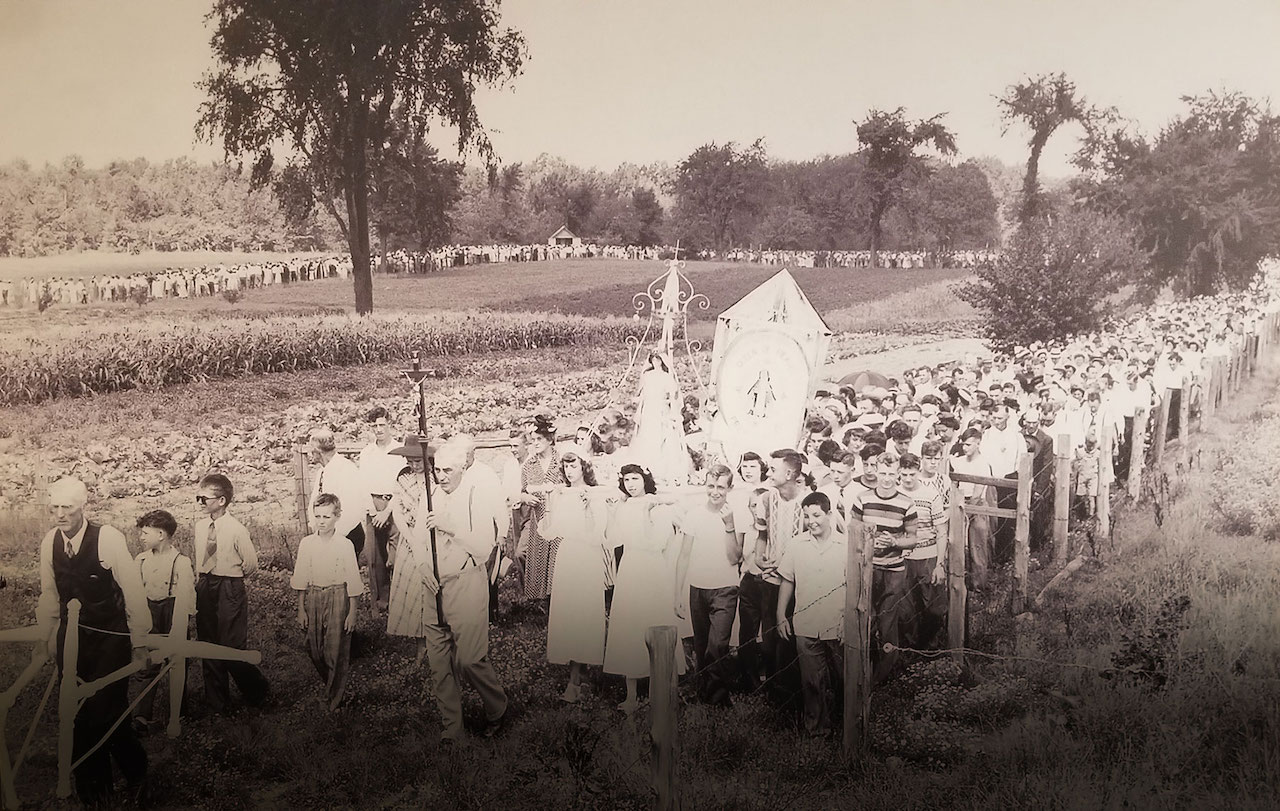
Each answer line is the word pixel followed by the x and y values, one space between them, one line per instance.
pixel 224 555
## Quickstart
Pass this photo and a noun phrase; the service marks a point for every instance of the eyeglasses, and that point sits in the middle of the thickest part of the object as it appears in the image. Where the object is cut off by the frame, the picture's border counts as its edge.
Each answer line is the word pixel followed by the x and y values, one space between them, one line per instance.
pixel 206 499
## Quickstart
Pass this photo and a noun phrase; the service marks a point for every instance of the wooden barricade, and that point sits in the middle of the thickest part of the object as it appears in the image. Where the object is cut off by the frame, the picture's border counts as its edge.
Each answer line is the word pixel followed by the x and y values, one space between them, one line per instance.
pixel 1106 472
pixel 173 648
pixel 1061 498
pixel 1184 420
pixel 857 645
pixel 662 642
pixel 957 543
pixel 1137 455
pixel 1160 432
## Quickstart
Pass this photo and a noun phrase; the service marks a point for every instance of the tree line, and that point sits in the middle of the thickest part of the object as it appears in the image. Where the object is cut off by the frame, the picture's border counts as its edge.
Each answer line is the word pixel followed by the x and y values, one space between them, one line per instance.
pixel 182 205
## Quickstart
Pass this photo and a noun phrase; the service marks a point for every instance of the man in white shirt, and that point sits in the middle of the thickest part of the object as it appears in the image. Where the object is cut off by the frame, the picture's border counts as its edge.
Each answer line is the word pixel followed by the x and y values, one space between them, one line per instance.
pixel 341 477
pixel 466 530
pixel 710 552
pixel 90 563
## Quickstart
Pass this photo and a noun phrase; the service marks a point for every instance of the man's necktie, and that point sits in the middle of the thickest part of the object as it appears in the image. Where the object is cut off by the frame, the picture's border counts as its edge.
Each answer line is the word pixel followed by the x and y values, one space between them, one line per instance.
pixel 71 552
pixel 211 546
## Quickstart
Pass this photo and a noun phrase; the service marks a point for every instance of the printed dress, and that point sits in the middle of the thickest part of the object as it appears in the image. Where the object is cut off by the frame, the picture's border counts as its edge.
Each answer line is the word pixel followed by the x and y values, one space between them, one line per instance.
pixel 406 610
pixel 539 561
pixel 576 625
pixel 644 590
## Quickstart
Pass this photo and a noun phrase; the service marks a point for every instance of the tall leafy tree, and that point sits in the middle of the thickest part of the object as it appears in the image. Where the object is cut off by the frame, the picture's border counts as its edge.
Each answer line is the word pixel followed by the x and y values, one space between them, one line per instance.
pixel 1044 103
pixel 890 147
pixel 718 190
pixel 1204 194
pixel 325 79
pixel 1057 277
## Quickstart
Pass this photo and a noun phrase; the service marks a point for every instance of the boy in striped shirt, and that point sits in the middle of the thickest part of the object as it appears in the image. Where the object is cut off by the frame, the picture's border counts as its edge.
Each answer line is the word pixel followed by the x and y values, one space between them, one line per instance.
pixel 924 609
pixel 890 516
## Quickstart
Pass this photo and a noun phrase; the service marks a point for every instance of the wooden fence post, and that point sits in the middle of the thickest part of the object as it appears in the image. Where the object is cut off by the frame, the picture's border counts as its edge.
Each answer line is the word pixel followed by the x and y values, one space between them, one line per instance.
pixel 300 485
pixel 1106 472
pixel 1210 394
pixel 1184 425
pixel 1136 447
pixel 957 592
pixel 1022 534
pixel 662 642
pixel 1061 498
pixel 1160 432
pixel 68 697
pixel 857 643
pixel 178 672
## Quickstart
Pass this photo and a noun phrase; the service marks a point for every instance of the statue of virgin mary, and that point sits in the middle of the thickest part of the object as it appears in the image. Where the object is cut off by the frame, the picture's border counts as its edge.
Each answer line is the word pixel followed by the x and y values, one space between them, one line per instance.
pixel 659 440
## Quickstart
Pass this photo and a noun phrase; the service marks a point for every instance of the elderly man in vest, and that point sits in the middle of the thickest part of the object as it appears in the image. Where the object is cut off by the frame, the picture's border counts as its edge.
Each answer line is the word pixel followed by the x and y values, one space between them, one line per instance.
pixel 467 518
pixel 90 562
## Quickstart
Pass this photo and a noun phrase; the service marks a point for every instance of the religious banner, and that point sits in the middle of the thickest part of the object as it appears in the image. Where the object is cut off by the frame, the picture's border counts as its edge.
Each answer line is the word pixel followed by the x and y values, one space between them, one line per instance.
pixel 769 351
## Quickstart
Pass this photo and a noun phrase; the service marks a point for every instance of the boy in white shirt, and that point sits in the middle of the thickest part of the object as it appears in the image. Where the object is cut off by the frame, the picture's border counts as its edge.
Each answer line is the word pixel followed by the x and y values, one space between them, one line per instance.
pixel 813 572
pixel 328 583
pixel 170 585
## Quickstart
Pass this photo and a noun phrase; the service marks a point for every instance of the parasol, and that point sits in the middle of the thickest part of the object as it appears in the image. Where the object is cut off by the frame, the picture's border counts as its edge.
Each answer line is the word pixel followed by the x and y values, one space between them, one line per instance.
pixel 865 379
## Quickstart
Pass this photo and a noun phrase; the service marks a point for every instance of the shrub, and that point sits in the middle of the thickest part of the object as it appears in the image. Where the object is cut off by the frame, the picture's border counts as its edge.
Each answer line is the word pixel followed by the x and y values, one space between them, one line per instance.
pixel 232 295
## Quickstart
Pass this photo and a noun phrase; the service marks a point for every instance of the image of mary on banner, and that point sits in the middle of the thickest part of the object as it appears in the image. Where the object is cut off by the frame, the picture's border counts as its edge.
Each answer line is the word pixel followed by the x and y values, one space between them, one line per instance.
pixel 769 351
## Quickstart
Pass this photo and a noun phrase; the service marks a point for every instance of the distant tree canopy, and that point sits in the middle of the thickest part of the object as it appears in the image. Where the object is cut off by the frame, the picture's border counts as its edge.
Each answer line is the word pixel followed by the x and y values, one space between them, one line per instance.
pixel 136 205
pixel 1204 194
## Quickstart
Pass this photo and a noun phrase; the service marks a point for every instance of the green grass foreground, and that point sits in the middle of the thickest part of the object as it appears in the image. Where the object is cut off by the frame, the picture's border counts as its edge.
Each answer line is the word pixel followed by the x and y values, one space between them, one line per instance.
pixel 1152 680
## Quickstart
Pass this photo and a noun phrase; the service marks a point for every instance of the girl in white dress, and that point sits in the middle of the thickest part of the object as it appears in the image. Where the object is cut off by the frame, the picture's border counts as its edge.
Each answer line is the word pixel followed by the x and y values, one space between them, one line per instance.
pixel 576 516
pixel 645 588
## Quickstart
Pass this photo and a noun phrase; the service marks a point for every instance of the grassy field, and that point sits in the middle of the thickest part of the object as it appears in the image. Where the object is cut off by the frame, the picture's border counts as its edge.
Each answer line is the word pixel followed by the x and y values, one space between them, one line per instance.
pixel 1196 726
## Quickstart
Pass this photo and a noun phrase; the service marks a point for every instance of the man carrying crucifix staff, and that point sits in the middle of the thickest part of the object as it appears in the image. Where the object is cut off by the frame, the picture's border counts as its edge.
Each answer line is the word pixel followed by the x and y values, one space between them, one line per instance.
pixel 89 562
pixel 463 523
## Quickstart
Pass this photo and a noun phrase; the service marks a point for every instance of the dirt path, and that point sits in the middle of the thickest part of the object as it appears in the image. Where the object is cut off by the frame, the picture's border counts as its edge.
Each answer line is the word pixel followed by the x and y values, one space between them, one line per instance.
pixel 892 362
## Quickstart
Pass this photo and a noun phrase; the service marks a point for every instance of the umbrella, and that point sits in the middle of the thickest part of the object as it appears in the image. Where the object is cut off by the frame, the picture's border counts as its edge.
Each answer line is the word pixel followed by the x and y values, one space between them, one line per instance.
pixel 864 379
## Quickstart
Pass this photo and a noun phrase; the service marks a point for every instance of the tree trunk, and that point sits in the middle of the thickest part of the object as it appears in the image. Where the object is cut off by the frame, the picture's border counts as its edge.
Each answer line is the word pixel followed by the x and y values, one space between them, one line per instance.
pixel 1031 181
pixel 358 204
pixel 875 239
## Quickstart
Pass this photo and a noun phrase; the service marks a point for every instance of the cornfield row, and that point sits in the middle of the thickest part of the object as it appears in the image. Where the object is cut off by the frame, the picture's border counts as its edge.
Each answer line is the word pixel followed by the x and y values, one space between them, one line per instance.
pixel 152 355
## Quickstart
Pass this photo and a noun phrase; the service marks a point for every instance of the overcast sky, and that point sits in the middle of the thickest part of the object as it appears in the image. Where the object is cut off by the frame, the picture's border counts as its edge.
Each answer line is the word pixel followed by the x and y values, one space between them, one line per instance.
pixel 650 80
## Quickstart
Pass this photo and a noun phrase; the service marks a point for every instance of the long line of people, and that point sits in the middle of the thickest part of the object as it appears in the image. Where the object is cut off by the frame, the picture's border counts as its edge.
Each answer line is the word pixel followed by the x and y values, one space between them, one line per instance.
pixel 215 280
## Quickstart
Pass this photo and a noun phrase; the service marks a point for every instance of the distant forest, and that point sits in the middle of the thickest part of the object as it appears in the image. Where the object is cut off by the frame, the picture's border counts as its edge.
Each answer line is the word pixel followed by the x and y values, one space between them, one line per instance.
pixel 181 205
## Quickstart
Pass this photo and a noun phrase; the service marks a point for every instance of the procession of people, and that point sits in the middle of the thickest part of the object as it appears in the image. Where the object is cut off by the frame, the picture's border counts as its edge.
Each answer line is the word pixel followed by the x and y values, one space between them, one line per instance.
pixel 224 279
pixel 744 555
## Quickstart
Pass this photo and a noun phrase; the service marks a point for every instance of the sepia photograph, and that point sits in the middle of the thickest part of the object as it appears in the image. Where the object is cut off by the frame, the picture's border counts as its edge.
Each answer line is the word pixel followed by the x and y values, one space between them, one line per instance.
pixel 713 404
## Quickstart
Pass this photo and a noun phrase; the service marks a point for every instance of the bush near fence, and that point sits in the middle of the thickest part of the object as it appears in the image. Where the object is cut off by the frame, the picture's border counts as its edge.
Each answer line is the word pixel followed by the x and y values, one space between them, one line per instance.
pixel 85 362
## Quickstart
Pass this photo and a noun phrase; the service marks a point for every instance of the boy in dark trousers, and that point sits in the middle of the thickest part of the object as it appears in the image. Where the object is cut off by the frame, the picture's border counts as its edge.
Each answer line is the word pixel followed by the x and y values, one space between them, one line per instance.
pixel 169 582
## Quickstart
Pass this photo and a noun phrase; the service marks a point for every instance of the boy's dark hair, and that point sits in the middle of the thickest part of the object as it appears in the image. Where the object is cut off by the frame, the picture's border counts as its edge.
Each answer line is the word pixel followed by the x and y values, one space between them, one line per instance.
pixel 900 431
pixel 790 457
pixel 828 450
pixel 818 498
pixel 377 413
pixel 161 520
pixel 950 422
pixel 876 437
pixel 329 500
pixel 909 461
pixel 817 425
pixel 870 451
pixel 220 483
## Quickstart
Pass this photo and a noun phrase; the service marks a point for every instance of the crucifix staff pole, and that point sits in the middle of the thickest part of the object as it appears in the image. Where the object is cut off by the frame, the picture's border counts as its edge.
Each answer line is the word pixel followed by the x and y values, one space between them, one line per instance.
pixel 418 375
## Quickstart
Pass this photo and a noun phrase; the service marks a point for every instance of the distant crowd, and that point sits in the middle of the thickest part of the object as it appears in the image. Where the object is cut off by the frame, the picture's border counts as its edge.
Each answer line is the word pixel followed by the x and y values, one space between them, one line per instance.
pixel 216 280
